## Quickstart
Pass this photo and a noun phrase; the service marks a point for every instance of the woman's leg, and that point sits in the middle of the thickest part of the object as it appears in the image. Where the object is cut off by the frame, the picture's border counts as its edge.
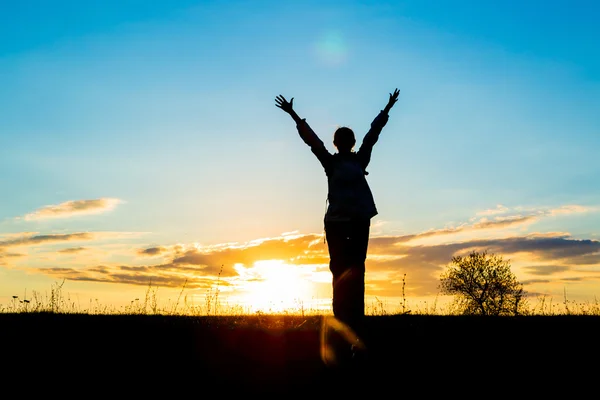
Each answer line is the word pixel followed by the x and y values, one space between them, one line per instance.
pixel 348 243
pixel 336 234
pixel 355 292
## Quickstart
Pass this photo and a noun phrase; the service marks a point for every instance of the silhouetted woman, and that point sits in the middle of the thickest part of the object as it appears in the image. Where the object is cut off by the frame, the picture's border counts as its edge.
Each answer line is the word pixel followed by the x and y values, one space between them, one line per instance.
pixel 350 207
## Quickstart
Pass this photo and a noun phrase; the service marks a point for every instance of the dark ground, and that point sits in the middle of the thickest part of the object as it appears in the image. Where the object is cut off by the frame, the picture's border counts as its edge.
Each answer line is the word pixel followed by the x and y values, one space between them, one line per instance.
pixel 408 356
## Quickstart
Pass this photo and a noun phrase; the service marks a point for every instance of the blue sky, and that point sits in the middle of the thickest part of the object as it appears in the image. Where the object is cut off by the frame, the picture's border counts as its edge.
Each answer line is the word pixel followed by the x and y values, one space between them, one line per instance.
pixel 158 120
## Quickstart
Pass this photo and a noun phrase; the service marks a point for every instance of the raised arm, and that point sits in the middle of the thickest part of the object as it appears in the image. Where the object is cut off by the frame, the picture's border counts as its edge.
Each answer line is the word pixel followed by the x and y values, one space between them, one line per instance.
pixel 288 107
pixel 380 121
pixel 376 126
pixel 304 130
pixel 393 99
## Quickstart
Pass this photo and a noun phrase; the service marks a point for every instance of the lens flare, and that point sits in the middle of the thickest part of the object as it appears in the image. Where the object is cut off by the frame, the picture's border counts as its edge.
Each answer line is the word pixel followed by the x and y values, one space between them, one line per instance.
pixel 331 48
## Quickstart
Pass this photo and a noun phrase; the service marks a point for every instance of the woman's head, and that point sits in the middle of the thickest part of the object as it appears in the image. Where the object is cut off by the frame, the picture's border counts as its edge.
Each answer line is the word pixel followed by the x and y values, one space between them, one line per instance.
pixel 344 139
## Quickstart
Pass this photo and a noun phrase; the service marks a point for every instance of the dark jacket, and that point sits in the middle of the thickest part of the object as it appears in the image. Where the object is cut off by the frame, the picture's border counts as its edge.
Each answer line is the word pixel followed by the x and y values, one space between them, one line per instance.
pixel 349 196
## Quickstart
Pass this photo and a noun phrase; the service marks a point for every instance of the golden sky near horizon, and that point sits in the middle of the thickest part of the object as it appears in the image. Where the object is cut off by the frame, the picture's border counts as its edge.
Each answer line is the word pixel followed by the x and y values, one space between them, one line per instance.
pixel 290 271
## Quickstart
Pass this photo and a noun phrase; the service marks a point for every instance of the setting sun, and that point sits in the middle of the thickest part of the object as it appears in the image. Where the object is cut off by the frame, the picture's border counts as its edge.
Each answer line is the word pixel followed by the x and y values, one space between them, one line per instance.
pixel 274 286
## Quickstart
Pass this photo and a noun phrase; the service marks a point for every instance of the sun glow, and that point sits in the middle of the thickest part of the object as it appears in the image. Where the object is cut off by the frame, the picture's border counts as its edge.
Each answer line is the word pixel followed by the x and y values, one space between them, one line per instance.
pixel 274 286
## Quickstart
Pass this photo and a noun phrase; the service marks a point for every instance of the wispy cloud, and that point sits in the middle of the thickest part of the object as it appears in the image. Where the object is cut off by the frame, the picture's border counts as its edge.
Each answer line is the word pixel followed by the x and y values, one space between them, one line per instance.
pixel 502 217
pixel 152 251
pixel 571 209
pixel 72 250
pixel 545 270
pixel 28 239
pixel 6 256
pixel 73 208
pixel 500 209
pixel 162 275
pixel 483 224
pixel 42 239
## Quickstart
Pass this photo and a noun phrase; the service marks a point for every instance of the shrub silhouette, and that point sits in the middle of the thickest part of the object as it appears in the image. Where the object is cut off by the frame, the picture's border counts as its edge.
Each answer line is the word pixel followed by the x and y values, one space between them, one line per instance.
pixel 483 284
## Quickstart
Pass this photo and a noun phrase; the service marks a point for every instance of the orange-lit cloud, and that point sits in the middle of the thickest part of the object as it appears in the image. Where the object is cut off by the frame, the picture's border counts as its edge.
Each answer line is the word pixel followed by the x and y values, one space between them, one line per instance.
pixel 535 212
pixel 11 255
pixel 482 224
pixel 152 251
pixel 162 275
pixel 298 249
pixel 500 209
pixel 41 239
pixel 546 270
pixel 495 220
pixel 201 267
pixel 72 250
pixel 28 239
pixel 7 256
pixel 73 208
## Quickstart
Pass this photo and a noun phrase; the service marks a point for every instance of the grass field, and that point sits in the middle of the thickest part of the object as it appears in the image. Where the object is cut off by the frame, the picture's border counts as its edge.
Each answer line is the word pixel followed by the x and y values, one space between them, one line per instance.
pixel 51 347
pixel 283 354
pixel 214 304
